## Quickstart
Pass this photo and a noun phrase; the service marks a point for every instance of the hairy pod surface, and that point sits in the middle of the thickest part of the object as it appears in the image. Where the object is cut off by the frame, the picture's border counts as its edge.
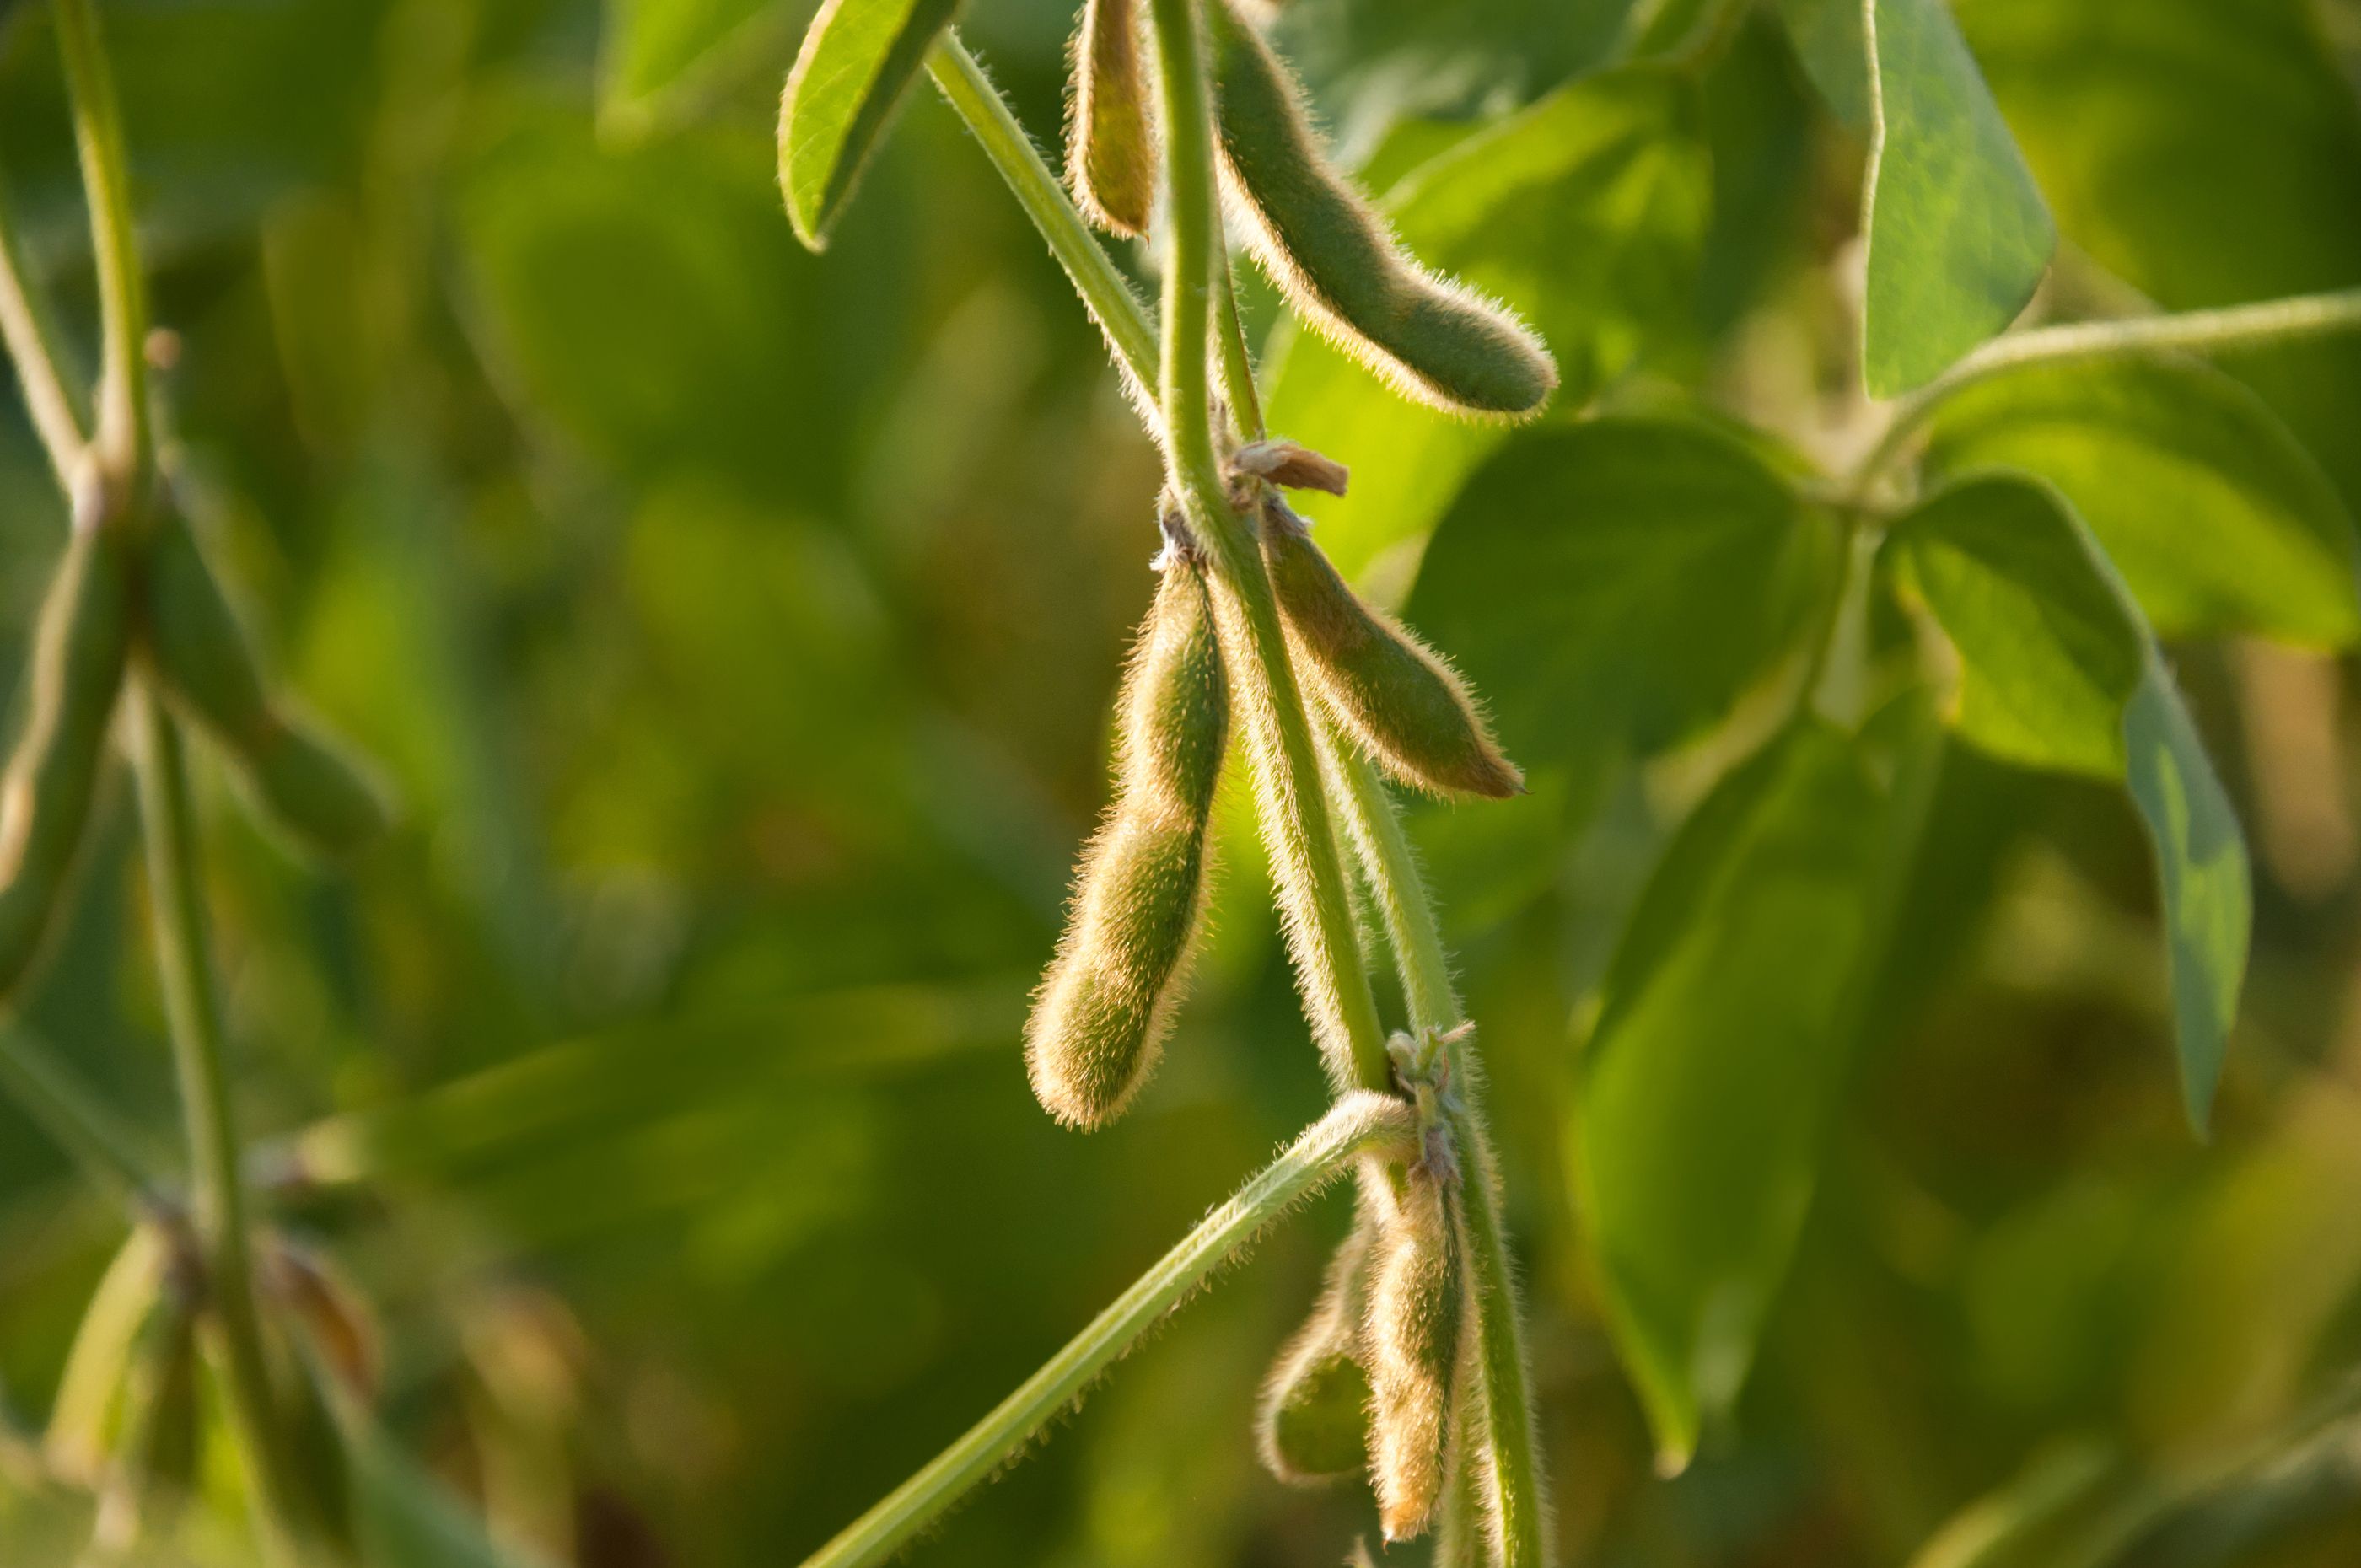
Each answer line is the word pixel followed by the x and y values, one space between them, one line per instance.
pixel 1407 708
pixel 1312 1424
pixel 79 649
pixel 1106 1004
pixel 201 649
pixel 1436 340
pixel 1416 1323
pixel 1111 145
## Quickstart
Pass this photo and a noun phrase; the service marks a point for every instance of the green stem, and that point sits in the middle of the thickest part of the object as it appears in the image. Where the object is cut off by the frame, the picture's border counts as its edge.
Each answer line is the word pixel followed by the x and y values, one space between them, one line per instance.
pixel 1237 362
pixel 2232 327
pixel 1357 1125
pixel 26 330
pixel 1511 1470
pixel 1105 292
pixel 124 441
pixel 108 1152
pixel 1304 865
pixel 199 1059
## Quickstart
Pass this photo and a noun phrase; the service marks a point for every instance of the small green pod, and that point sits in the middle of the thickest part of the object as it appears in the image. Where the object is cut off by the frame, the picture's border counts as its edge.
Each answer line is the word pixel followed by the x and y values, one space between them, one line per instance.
pixel 161 1440
pixel 1406 707
pixel 1105 1007
pixel 1312 1424
pixel 305 782
pixel 1340 264
pixel 1416 1320
pixel 1111 139
pixel 79 651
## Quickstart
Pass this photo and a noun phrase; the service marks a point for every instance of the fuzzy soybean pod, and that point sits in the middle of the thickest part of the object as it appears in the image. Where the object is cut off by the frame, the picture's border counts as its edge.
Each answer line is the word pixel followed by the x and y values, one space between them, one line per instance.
pixel 209 665
pixel 1106 1004
pixel 79 651
pixel 1406 707
pixel 1312 1424
pixel 1342 268
pixel 1111 144
pixel 1416 1320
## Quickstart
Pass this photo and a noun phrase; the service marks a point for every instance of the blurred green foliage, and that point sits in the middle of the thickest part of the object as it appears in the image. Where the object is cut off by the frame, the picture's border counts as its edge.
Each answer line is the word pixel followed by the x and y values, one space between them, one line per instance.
pixel 740 628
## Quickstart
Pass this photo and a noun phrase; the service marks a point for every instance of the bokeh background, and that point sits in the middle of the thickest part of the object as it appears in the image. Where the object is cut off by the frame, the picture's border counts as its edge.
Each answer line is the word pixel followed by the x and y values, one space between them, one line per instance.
pixel 741 627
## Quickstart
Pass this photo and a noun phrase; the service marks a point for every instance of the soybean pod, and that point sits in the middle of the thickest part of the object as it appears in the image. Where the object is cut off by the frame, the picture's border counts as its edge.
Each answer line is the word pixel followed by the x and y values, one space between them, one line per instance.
pixel 1312 1424
pixel 207 662
pixel 79 651
pixel 1111 143
pixel 1407 708
pixel 1417 1321
pixel 1340 264
pixel 1106 1004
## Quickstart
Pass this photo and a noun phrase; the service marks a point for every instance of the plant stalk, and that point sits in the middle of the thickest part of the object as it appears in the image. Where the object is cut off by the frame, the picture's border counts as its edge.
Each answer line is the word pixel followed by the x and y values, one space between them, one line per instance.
pixel 1509 1468
pixel 124 442
pixel 199 1059
pixel 1237 361
pixel 1309 878
pixel 1357 1125
pixel 2232 327
pixel 1105 292
pixel 26 330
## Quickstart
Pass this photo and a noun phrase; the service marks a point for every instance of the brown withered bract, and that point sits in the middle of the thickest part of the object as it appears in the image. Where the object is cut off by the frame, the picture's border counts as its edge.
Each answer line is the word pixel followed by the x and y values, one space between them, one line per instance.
pixel 1290 465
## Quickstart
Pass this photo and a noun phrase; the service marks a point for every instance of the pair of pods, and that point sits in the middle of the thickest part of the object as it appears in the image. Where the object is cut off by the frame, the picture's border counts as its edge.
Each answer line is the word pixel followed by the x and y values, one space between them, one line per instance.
pixel 1106 1004
pixel 1372 1380
pixel 1340 264
pixel 114 596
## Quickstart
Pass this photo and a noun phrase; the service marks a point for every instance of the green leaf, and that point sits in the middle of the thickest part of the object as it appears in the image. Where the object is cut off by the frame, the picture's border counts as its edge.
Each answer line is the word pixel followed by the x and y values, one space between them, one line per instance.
pixel 858 60
pixel 2040 663
pixel 1958 234
pixel 2206 153
pixel 1584 214
pixel 1720 1047
pixel 2216 516
pixel 2048 658
pixel 1619 583
pixel 1829 40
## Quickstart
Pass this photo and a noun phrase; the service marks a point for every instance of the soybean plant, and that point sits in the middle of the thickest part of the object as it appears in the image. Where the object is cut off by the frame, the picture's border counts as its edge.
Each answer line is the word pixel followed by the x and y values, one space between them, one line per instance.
pixel 1410 1369
pixel 137 633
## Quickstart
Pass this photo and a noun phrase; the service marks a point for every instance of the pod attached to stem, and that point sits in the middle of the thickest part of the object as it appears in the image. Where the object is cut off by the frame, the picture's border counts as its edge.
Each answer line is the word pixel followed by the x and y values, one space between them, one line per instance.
pixel 1407 708
pixel 1312 1424
pixel 1106 1004
pixel 1111 138
pixel 201 653
pixel 79 649
pixel 1435 339
pixel 1417 1323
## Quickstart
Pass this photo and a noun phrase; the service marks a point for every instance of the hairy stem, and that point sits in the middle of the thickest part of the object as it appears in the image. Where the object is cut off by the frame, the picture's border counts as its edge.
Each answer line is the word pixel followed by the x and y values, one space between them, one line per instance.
pixel 26 330
pixel 108 1152
pixel 1237 362
pixel 1043 196
pixel 124 441
pixel 1304 865
pixel 2257 325
pixel 1357 1125
pixel 1508 1468
pixel 199 1059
